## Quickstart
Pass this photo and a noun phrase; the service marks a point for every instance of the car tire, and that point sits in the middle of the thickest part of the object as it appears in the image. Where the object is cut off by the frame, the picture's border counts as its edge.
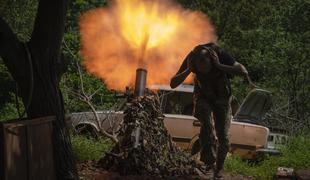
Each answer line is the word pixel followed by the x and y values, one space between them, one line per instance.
pixel 87 130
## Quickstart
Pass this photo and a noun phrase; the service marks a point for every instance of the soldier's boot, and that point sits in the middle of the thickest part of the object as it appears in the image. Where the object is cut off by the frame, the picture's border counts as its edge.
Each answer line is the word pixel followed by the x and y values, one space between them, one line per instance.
pixel 221 156
pixel 208 167
pixel 217 174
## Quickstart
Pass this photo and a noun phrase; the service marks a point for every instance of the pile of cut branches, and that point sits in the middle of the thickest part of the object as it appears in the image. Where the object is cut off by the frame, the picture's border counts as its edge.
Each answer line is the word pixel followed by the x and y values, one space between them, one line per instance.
pixel 145 147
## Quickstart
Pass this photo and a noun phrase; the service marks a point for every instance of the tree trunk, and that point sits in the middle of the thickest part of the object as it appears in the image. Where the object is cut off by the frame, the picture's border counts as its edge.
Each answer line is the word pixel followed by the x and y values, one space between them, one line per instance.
pixel 45 48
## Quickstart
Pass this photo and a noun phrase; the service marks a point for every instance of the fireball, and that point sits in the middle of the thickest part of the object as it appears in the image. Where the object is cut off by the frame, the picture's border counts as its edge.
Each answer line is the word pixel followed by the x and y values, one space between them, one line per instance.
pixel 128 34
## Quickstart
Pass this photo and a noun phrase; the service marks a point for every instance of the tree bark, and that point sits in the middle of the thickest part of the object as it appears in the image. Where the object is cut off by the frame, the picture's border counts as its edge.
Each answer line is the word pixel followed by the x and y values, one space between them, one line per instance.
pixel 45 48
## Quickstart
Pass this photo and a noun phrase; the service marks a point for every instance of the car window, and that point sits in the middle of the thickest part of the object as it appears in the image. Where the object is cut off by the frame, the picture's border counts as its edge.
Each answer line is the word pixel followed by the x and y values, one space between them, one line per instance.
pixel 175 102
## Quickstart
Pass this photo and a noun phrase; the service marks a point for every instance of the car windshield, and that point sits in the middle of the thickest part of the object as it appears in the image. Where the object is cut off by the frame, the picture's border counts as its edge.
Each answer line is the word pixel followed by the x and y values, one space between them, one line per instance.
pixel 176 102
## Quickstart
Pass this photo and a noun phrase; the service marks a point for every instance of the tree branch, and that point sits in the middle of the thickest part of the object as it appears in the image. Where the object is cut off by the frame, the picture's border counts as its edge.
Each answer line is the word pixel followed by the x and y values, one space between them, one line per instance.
pixel 12 52
pixel 53 12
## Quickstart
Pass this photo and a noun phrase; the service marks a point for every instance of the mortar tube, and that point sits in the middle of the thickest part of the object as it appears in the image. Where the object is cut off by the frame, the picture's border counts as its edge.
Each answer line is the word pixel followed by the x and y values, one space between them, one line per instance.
pixel 140 83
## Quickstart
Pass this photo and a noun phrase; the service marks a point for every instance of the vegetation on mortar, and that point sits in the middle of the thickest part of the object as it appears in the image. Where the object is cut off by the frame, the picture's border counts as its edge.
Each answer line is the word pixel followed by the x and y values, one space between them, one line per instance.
pixel 151 150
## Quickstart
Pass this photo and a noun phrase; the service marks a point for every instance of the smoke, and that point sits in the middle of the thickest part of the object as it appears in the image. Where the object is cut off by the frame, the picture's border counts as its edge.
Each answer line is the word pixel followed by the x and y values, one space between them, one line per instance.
pixel 125 35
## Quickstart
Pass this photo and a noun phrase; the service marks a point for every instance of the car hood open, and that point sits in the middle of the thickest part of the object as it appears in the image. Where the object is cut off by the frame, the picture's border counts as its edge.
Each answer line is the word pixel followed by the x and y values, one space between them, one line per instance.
pixel 254 107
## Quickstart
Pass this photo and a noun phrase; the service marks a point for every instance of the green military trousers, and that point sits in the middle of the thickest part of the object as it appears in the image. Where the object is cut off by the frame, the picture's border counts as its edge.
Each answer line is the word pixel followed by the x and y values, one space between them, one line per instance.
pixel 214 131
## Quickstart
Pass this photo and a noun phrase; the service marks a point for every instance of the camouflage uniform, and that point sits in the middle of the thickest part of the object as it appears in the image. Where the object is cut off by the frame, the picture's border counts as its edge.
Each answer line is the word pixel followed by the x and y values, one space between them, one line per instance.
pixel 210 152
pixel 212 96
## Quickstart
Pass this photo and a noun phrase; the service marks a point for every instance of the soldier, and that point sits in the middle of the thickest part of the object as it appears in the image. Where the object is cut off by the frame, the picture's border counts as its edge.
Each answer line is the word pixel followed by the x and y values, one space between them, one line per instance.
pixel 212 68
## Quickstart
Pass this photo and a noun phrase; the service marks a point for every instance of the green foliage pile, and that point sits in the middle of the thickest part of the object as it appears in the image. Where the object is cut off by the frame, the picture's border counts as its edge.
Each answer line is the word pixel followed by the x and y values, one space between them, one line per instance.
pixel 145 146
pixel 86 148
pixel 295 155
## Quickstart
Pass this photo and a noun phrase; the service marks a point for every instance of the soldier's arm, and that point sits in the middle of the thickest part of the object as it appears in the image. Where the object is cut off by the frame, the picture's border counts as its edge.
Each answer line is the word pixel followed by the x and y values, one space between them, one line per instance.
pixel 183 72
pixel 244 73
pixel 236 69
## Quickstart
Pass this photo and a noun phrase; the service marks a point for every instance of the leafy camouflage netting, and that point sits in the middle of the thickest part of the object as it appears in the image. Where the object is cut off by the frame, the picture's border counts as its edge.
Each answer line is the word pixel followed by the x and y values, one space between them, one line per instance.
pixel 145 147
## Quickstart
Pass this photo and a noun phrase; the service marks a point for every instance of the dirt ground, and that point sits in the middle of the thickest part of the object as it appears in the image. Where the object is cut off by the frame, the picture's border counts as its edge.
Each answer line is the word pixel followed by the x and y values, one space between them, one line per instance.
pixel 88 171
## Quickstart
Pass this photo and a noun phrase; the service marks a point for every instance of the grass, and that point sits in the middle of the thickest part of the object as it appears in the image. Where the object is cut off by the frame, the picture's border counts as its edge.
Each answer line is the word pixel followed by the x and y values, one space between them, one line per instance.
pixel 85 148
pixel 295 155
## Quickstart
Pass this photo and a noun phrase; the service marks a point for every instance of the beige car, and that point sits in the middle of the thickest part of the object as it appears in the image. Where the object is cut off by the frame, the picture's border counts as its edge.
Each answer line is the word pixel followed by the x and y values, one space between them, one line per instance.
pixel 247 137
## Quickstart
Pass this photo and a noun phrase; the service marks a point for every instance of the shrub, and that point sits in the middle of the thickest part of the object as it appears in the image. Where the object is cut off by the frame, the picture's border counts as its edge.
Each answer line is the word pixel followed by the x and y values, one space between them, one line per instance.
pixel 85 148
pixel 295 155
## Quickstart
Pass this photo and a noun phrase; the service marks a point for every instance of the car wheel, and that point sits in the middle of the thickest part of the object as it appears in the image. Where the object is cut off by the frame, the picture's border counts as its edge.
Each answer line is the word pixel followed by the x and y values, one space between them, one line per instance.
pixel 86 130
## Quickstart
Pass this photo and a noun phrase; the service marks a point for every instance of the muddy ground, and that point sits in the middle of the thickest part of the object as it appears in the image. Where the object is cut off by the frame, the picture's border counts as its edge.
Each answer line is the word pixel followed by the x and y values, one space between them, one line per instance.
pixel 89 171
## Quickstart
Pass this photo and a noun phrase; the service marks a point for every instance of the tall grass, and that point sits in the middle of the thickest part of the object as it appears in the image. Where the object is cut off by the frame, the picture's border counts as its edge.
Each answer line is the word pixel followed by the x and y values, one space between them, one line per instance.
pixel 295 155
pixel 85 148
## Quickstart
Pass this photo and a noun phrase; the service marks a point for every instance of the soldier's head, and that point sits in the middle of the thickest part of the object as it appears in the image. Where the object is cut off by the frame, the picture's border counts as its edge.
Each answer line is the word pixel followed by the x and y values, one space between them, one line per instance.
pixel 202 60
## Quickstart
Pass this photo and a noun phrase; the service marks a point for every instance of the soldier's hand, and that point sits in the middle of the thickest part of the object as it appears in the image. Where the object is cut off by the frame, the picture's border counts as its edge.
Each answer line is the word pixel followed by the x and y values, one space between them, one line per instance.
pixel 244 71
pixel 198 49
pixel 252 85
pixel 214 58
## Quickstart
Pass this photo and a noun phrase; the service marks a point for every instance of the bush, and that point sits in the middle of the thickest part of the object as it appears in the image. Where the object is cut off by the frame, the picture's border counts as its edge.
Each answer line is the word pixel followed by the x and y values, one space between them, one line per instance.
pixel 295 155
pixel 85 148
pixel 8 112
